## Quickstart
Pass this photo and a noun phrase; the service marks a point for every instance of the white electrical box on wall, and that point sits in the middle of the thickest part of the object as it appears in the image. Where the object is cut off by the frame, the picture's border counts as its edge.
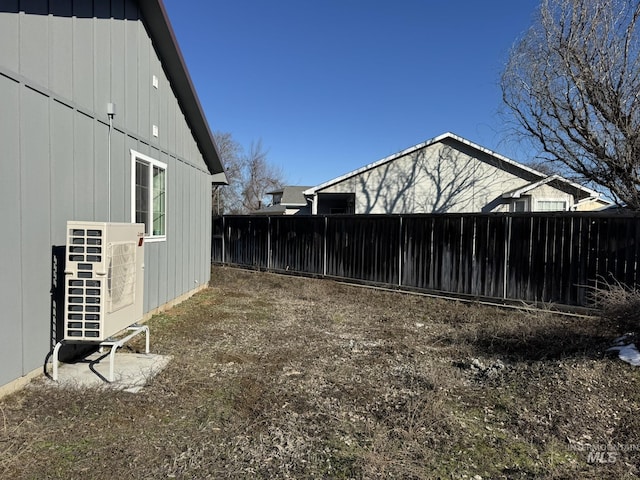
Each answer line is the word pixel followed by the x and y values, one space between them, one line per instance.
pixel 104 279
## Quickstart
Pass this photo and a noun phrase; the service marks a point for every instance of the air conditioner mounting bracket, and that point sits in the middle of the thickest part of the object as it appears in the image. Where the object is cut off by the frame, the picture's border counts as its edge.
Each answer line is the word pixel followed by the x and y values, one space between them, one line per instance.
pixel 113 343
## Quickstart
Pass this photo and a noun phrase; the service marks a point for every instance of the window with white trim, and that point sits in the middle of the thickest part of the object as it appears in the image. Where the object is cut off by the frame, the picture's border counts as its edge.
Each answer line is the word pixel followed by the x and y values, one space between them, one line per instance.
pixel 551 205
pixel 521 204
pixel 148 195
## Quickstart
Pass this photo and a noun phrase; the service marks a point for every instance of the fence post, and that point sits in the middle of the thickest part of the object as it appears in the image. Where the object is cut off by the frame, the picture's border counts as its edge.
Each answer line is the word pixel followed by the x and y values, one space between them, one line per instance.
pixel 400 252
pixel 507 244
pixel 324 249
pixel 269 242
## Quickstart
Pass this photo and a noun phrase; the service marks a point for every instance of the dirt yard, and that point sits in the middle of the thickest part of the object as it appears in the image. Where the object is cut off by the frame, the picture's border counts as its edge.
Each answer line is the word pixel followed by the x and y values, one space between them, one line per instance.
pixel 282 377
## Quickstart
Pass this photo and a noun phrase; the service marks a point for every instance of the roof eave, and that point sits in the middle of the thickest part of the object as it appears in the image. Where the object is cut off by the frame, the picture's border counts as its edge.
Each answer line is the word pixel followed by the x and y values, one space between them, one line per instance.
pixel 219 179
pixel 530 186
pixel 163 37
pixel 543 177
pixel 419 146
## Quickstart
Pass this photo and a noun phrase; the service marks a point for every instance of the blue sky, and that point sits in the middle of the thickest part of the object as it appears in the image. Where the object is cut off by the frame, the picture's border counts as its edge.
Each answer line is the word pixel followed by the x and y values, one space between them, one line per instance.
pixel 331 85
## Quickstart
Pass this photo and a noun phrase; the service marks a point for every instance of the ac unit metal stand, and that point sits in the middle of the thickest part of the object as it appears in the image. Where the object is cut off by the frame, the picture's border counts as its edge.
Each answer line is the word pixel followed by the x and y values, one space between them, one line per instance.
pixel 113 343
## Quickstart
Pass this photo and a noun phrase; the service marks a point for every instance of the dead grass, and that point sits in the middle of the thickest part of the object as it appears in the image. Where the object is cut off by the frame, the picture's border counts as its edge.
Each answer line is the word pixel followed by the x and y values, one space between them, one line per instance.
pixel 283 377
pixel 620 304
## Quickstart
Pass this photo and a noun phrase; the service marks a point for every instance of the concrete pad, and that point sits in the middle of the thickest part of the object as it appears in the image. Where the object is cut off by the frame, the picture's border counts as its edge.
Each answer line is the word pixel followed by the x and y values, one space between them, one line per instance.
pixel 131 371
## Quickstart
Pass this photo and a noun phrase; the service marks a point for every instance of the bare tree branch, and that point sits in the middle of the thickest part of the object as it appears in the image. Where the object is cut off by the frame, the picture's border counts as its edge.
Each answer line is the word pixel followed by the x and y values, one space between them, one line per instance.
pixel 259 178
pixel 250 175
pixel 573 84
pixel 231 155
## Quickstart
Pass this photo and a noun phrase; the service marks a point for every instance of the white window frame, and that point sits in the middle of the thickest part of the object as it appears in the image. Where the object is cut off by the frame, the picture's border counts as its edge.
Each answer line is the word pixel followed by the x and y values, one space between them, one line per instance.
pixel 524 200
pixel 151 162
pixel 276 199
pixel 554 200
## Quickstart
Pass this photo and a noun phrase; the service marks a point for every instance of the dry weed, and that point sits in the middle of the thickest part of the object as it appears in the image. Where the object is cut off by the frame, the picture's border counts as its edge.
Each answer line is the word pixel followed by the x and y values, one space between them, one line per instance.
pixel 282 377
pixel 619 304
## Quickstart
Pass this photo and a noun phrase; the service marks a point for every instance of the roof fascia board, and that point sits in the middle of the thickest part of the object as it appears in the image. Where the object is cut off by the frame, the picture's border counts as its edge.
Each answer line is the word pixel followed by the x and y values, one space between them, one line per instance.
pixel 589 191
pixel 373 165
pixel 219 179
pixel 530 186
pixel 155 17
pixel 419 146
pixel 519 192
pixel 545 178
pixel 435 140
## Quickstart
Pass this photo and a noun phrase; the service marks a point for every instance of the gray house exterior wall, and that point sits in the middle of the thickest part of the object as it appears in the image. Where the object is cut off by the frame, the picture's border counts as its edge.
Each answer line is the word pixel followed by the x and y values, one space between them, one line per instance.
pixel 61 63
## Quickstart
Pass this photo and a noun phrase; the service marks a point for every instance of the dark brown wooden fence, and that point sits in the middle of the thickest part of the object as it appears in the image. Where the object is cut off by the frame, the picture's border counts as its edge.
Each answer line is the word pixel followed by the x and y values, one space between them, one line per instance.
pixel 551 258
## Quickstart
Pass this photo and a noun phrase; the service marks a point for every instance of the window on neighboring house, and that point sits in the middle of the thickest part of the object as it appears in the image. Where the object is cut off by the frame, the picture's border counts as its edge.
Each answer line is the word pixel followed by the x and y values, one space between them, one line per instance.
pixel 520 205
pixel 551 205
pixel 277 198
pixel 148 195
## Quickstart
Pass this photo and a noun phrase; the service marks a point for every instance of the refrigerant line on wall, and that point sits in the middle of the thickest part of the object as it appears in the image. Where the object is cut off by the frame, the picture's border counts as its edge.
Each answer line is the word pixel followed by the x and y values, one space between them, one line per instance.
pixel 111 111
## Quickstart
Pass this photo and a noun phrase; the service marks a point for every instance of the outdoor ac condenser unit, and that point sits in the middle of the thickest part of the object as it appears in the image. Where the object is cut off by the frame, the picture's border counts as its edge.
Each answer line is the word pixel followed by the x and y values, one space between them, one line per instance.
pixel 104 279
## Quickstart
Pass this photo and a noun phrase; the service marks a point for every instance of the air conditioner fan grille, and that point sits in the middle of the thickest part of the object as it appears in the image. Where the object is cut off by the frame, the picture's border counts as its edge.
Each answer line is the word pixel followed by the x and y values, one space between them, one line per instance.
pixel 121 278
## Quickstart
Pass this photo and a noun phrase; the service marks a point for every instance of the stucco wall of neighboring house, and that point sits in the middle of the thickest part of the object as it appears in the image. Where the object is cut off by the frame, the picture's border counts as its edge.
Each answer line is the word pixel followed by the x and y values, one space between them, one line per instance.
pixel 591 205
pixel 436 179
pixel 61 63
pixel 548 193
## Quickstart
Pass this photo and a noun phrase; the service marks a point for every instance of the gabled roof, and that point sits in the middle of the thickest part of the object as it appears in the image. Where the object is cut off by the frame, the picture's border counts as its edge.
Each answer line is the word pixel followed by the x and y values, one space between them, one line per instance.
pixel 155 17
pixel 550 179
pixel 271 210
pixel 528 171
pixel 292 196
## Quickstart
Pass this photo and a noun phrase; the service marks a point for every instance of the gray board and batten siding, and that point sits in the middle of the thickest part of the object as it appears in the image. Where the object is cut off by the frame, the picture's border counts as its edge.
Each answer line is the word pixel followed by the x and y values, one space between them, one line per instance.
pixel 61 63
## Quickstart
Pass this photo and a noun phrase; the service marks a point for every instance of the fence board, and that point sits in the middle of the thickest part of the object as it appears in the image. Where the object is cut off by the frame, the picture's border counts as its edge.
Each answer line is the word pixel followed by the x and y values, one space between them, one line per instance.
pixel 363 248
pixel 246 241
pixel 520 281
pixel 418 255
pixel 217 240
pixel 493 247
pixel 556 257
pixel 297 246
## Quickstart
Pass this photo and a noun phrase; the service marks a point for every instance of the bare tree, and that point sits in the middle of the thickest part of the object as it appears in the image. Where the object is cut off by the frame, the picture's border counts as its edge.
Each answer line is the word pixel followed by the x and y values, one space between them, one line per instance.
pixel 543 167
pixel 259 178
pixel 228 198
pixel 573 85
pixel 250 176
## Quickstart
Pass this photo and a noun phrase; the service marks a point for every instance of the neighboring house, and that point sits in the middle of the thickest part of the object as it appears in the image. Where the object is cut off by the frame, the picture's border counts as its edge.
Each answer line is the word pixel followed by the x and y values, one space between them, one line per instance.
pixel 449 174
pixel 288 200
pixel 99 121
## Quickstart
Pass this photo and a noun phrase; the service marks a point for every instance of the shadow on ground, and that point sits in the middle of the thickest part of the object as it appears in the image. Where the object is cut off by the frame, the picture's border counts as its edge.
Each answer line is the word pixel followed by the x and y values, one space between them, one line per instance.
pixel 588 340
